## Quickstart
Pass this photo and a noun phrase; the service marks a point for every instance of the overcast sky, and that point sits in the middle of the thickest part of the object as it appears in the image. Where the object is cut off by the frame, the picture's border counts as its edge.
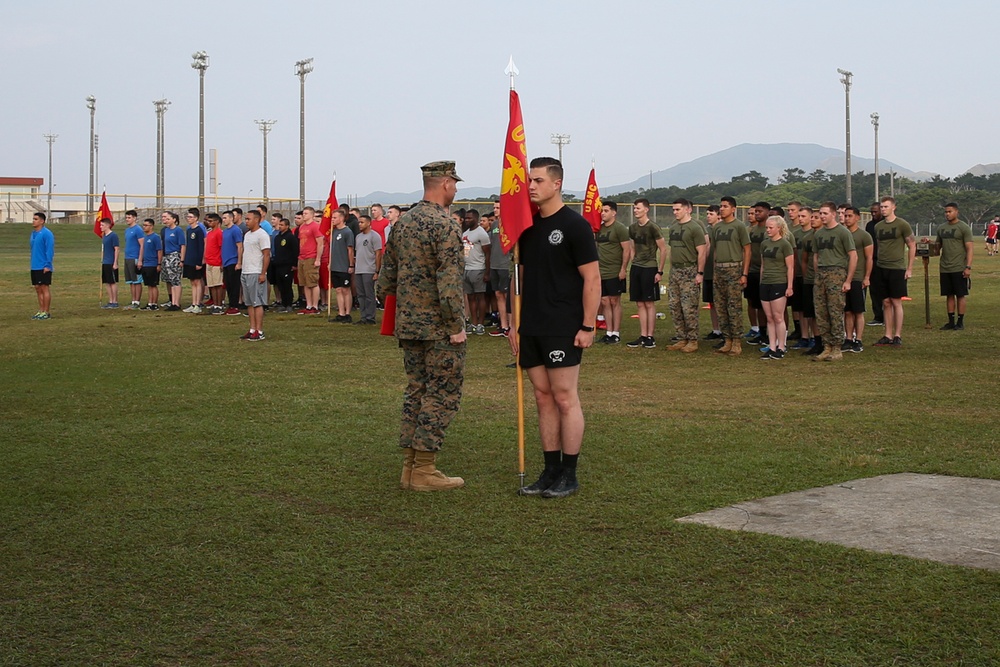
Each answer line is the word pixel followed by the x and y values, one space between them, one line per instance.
pixel 637 85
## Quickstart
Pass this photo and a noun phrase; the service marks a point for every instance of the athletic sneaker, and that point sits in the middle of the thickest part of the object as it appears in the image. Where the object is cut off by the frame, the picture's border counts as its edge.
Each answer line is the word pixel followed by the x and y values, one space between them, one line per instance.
pixel 232 311
pixel 876 323
pixel 563 487
pixel 857 347
pixel 44 316
pixel 773 355
pixel 897 342
pixel 196 310
pixel 611 339
pixel 172 308
pixel 257 335
pixel 754 340
pixel 37 316
pixel 218 310
pixel 883 341
pixel 949 326
pixel 190 309
pixel 132 306
pixel 803 344
pixel 959 326
pixel 649 342
pixel 247 335
pixel 636 343
pixel 480 329
pixel 847 346
pixel 501 331
pixel 766 349
pixel 151 306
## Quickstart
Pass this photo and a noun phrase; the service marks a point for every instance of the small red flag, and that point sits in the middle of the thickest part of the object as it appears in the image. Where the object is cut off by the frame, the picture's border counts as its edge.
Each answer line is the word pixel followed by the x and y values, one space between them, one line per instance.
pixel 325 223
pixel 389 316
pixel 105 212
pixel 592 203
pixel 515 205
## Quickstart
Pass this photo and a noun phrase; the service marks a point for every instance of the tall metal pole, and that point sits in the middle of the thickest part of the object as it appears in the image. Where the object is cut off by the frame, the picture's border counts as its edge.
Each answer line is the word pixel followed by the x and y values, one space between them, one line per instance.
pixel 201 64
pixel 51 138
pixel 560 140
pixel 161 108
pixel 874 118
pixel 92 105
pixel 265 127
pixel 846 80
pixel 302 67
pixel 97 162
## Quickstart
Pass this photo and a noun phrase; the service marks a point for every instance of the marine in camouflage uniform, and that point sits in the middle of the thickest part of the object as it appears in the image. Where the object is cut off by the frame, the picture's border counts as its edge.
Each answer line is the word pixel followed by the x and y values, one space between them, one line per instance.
pixel 731 243
pixel 687 260
pixel 423 266
pixel 835 260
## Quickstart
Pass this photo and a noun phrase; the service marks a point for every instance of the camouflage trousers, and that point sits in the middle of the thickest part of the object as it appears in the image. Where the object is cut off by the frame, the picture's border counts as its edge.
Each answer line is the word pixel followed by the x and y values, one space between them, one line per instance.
pixel 685 300
pixel 728 302
pixel 829 298
pixel 434 372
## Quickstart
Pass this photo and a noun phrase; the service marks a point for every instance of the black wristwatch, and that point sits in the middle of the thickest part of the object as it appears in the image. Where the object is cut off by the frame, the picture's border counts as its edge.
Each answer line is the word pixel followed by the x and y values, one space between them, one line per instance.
pixel 701 273
pixel 584 327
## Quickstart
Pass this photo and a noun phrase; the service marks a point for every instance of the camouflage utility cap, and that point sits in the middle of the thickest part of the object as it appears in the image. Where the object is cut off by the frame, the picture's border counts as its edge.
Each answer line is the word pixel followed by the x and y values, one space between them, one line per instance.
pixel 440 168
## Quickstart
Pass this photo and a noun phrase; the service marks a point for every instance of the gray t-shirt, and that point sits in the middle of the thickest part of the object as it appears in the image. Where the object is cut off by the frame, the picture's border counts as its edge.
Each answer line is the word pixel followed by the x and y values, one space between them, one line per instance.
pixel 366 244
pixel 474 241
pixel 340 241
pixel 498 258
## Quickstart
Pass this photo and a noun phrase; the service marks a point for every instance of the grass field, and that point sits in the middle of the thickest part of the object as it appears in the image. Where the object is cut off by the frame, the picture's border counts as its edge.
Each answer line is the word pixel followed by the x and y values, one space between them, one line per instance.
pixel 170 495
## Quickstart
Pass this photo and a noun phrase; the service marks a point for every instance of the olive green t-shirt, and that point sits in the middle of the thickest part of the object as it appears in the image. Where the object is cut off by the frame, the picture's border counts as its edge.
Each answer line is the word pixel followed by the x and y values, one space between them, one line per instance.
pixel 684 240
pixel 891 237
pixel 644 237
pixel 833 246
pixel 862 240
pixel 757 235
pixel 806 248
pixel 952 238
pixel 772 256
pixel 609 241
pixel 728 240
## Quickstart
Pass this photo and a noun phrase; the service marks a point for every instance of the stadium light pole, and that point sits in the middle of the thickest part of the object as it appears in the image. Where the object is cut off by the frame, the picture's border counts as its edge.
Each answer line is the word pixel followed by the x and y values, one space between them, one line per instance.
pixel 51 139
pixel 200 63
pixel 845 79
pixel 302 67
pixel 560 140
pixel 265 128
pixel 874 118
pixel 161 108
pixel 92 105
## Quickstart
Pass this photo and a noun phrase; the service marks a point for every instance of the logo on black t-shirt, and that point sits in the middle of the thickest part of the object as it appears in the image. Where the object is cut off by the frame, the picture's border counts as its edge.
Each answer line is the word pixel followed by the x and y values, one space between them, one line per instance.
pixel 556 237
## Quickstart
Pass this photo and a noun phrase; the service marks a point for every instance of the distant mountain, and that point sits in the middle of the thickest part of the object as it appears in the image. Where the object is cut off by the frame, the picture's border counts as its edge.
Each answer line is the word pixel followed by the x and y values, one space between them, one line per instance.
pixel 771 160
pixel 983 169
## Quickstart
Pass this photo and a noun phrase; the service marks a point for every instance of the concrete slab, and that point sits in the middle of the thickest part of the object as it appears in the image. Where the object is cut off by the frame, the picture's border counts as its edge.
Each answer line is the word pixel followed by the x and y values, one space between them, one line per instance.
pixel 953 520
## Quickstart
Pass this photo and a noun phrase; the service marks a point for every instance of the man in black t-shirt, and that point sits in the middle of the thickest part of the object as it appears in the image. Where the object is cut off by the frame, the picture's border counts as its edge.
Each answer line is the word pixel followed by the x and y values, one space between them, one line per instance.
pixel 561 288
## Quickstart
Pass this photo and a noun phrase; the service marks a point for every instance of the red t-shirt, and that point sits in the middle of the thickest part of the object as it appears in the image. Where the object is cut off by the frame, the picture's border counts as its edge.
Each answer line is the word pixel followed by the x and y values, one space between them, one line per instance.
pixel 379 227
pixel 213 247
pixel 308 234
pixel 991 230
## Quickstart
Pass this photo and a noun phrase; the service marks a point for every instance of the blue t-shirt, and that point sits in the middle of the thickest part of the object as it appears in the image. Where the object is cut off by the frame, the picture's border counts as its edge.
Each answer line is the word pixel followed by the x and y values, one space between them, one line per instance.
pixel 173 239
pixel 195 239
pixel 266 226
pixel 150 248
pixel 108 244
pixel 43 249
pixel 132 236
pixel 230 237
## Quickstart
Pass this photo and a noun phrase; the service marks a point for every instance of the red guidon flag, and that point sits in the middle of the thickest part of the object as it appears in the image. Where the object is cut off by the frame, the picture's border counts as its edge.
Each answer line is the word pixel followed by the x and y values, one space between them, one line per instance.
pixel 515 206
pixel 105 212
pixel 592 203
pixel 331 203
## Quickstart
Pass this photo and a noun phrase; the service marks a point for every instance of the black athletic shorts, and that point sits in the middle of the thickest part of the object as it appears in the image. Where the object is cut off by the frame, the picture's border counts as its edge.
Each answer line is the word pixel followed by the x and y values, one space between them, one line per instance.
pixel 150 276
pixel 954 284
pixel 707 293
pixel 191 272
pixel 854 301
pixel 893 283
pixel 796 301
pixel 643 284
pixel 40 277
pixel 340 279
pixel 773 291
pixel 612 287
pixel 808 305
pixel 752 291
pixel 549 351
pixel 109 276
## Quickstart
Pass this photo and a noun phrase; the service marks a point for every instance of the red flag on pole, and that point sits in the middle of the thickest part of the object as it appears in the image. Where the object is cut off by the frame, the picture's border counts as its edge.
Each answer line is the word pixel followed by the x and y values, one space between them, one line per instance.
pixel 331 203
pixel 515 206
pixel 592 203
pixel 104 212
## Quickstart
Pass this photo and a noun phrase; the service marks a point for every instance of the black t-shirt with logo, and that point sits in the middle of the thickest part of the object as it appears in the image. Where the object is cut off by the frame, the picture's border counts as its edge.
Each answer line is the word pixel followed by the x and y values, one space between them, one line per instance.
pixel 551 251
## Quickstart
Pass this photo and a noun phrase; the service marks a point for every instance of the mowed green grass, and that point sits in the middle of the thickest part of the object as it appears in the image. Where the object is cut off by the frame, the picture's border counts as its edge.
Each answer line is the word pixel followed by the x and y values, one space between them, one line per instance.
pixel 170 495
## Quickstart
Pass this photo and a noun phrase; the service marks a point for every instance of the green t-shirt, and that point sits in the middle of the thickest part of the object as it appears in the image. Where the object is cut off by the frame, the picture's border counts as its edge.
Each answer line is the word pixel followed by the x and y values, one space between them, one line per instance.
pixel 862 240
pixel 952 238
pixel 891 237
pixel 833 246
pixel 684 240
pixel 797 234
pixel 806 248
pixel 709 255
pixel 772 257
pixel 728 240
pixel 757 235
pixel 609 241
pixel 644 237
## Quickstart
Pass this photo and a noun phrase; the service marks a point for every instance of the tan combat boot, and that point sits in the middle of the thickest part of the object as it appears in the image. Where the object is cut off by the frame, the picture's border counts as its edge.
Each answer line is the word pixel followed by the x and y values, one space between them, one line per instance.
pixel 426 477
pixel 835 354
pixel 404 481
pixel 690 346
pixel 725 348
pixel 737 348
pixel 825 354
pixel 679 345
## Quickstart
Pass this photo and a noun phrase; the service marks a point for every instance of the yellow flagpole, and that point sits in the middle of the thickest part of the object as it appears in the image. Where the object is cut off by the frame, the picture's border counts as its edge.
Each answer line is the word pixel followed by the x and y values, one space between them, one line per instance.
pixel 516 312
